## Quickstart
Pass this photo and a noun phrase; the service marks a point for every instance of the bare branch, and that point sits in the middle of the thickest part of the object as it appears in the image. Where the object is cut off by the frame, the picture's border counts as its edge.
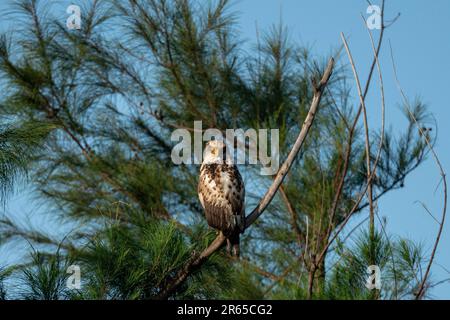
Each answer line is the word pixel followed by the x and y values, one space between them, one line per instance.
pixel 265 201
pixel 294 217
pixel 352 130
pixel 420 291
pixel 367 138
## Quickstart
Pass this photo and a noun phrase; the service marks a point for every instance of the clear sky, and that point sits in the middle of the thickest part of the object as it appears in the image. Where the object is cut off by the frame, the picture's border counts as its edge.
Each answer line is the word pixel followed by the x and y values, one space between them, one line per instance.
pixel 421 43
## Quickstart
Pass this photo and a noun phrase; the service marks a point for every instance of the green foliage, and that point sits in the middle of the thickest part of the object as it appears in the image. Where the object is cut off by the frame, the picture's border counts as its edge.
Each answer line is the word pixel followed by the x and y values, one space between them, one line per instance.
pixel 400 262
pixel 18 145
pixel 4 273
pixel 104 105
pixel 46 279
pixel 132 263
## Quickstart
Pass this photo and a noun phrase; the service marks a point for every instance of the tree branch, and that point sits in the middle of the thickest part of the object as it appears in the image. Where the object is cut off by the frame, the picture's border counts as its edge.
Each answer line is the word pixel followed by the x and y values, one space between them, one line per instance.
pixel 294 217
pixel 265 201
pixel 175 282
pixel 348 153
pixel 420 292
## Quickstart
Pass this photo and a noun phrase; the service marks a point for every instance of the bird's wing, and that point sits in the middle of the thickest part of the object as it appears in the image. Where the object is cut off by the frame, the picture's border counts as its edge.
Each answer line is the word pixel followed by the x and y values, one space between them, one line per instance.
pixel 237 199
pixel 234 192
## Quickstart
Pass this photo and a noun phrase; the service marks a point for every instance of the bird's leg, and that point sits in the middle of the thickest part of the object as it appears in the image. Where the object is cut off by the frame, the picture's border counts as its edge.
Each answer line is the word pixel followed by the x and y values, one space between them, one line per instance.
pixel 228 246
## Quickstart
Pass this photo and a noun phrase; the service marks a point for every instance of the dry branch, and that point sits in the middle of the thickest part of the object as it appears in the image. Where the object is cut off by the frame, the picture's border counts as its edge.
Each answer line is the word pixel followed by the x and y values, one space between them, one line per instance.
pixel 420 290
pixel 353 128
pixel 265 201
pixel 367 138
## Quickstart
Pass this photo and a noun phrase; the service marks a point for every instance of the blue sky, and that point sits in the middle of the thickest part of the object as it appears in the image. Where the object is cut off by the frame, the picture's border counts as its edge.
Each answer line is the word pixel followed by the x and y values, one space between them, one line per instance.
pixel 421 43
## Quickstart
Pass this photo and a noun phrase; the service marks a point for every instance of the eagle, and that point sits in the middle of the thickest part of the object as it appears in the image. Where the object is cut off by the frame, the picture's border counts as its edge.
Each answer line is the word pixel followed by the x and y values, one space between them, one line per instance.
pixel 222 194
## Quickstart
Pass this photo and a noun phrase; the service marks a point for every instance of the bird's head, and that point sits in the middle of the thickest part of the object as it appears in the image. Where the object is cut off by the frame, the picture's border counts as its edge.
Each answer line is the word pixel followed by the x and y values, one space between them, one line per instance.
pixel 215 152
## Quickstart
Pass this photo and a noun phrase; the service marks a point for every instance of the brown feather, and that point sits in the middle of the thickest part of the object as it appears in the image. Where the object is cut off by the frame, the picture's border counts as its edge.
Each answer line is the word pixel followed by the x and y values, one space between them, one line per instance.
pixel 221 192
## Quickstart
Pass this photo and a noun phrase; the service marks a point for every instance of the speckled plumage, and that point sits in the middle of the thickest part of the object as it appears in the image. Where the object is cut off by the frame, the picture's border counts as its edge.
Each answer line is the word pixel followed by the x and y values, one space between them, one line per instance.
pixel 221 192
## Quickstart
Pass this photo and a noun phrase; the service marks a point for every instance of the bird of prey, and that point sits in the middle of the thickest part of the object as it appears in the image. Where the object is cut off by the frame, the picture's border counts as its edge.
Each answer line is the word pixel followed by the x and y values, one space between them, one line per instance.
pixel 221 193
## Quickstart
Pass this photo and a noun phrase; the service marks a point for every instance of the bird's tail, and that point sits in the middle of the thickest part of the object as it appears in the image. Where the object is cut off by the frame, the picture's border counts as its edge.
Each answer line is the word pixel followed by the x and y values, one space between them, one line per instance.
pixel 233 245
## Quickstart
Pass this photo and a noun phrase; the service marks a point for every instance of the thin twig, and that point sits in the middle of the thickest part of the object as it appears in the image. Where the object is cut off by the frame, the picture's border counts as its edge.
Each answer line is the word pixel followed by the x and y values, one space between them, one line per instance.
pixel 367 139
pixel 419 292
pixel 294 217
pixel 340 187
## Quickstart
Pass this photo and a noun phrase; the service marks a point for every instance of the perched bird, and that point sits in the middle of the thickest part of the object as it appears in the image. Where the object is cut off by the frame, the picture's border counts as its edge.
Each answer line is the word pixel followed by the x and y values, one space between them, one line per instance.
pixel 221 192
